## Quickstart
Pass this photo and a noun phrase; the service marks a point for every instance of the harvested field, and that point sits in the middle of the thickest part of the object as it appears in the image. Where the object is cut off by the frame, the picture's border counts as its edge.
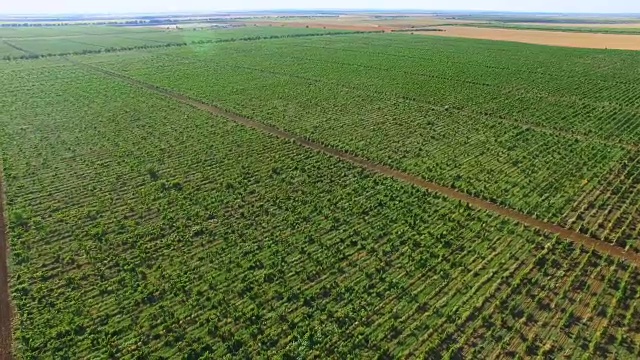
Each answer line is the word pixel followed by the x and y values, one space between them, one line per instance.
pixel 595 26
pixel 553 38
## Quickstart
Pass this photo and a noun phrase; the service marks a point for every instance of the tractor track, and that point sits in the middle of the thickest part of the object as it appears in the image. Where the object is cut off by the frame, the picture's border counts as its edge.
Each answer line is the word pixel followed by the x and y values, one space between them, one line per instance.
pixel 550 228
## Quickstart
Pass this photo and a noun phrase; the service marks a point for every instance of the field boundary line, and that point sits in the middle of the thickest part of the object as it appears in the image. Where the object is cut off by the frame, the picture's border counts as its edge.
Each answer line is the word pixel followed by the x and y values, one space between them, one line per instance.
pixel 12 45
pixel 75 35
pixel 554 229
pixel 33 55
pixel 6 341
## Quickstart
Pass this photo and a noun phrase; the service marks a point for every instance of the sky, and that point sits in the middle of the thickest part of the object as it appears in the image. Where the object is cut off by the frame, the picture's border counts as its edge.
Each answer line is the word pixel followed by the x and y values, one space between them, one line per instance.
pixel 128 6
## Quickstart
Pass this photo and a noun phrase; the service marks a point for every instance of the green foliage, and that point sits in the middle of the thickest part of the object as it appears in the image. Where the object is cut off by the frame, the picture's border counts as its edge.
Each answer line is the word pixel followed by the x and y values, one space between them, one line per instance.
pixel 157 230
pixel 548 131
pixel 19 219
pixel 129 39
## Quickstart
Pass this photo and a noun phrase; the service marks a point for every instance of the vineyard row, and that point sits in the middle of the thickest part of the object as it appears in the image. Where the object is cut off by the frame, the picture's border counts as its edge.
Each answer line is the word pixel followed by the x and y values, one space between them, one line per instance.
pixel 605 248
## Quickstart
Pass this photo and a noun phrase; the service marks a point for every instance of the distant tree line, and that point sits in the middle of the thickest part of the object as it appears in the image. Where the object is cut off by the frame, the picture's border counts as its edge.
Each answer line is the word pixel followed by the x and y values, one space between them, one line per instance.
pixel 40 24
pixel 132 22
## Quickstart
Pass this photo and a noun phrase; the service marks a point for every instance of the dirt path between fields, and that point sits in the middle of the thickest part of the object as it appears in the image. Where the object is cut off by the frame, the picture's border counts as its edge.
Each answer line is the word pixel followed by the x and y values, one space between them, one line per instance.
pixel 527 220
pixel 5 301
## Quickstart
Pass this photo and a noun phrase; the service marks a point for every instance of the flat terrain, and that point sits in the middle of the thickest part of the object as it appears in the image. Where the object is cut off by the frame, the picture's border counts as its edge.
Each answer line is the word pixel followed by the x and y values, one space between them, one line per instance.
pixel 580 239
pixel 303 193
pixel 597 36
pixel 362 23
pixel 38 42
pixel 553 38
pixel 627 29
pixel 580 126
pixel 594 26
pixel 341 25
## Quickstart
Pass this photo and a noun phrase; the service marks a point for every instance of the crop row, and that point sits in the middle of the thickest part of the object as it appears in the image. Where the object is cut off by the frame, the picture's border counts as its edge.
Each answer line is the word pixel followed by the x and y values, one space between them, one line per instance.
pixel 387 113
pixel 8 50
pixel 497 83
pixel 92 44
pixel 70 31
pixel 142 227
pixel 611 211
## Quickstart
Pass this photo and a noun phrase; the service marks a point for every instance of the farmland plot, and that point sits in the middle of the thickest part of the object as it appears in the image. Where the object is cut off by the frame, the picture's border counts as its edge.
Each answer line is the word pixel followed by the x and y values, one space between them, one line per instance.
pixel 119 39
pixel 143 227
pixel 8 50
pixel 510 123
pixel 68 31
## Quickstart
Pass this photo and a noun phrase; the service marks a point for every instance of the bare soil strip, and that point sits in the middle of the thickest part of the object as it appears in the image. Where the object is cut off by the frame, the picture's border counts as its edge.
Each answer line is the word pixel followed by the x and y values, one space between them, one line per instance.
pixel 542 37
pixel 527 220
pixel 5 301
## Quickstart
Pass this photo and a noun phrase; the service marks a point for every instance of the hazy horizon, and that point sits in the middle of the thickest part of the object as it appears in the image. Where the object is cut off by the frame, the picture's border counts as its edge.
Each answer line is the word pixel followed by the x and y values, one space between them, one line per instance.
pixel 40 7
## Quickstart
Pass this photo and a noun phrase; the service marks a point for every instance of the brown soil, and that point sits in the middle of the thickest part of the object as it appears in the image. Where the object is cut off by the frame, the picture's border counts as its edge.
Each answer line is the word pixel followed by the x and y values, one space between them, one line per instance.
pixel 5 302
pixel 594 26
pixel 553 38
pixel 527 220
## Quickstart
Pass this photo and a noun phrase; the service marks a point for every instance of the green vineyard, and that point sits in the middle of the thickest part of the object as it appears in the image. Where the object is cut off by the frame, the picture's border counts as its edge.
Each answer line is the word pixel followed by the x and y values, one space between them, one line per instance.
pixel 37 43
pixel 561 147
pixel 143 226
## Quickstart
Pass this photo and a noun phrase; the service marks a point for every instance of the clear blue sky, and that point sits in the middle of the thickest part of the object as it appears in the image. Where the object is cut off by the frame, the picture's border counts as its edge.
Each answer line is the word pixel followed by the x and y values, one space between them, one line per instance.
pixel 119 6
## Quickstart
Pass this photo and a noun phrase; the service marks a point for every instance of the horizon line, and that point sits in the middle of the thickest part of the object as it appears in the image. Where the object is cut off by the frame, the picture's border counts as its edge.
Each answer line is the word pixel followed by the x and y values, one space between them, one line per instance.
pixel 319 10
